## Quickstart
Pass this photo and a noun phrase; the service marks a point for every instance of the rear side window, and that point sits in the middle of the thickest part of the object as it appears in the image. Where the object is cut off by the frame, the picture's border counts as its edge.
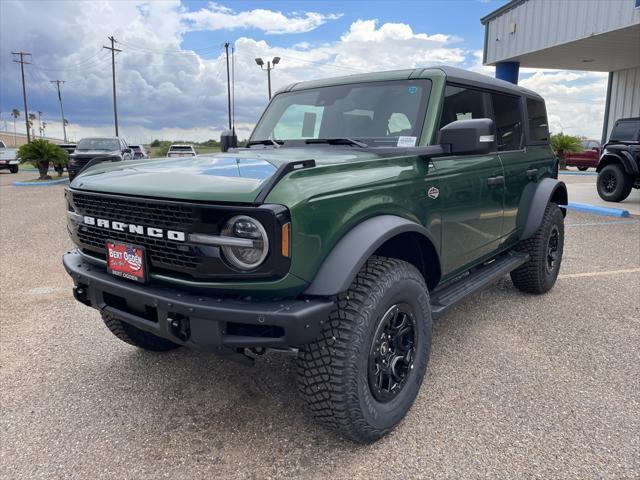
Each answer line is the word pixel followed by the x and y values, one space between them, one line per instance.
pixel 625 131
pixel 538 126
pixel 508 121
pixel 464 104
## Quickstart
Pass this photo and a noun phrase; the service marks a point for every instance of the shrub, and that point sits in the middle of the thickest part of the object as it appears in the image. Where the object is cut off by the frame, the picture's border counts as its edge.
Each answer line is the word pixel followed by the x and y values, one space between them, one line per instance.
pixel 40 154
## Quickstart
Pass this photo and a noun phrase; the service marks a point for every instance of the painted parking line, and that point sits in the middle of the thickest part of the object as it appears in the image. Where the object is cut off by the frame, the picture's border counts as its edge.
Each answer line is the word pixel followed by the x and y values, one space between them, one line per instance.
pixel 592 174
pixel 600 273
pixel 597 224
pixel 597 209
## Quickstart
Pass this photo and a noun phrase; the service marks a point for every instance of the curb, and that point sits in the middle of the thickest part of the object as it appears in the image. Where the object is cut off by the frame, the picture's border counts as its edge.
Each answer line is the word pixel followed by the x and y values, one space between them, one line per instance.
pixel 41 184
pixel 592 174
pixel 598 210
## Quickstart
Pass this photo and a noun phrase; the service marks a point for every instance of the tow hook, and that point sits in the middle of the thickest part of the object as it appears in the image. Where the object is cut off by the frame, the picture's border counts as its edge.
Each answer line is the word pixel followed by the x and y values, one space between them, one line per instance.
pixel 179 326
pixel 80 294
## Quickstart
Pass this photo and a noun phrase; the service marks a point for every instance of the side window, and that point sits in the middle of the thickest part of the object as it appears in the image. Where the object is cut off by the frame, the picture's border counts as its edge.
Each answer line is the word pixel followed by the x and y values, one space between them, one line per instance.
pixel 538 126
pixel 508 121
pixel 463 103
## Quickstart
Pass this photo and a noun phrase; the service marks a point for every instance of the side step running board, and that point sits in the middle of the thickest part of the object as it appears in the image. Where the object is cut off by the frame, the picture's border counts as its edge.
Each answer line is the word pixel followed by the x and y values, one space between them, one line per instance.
pixel 475 281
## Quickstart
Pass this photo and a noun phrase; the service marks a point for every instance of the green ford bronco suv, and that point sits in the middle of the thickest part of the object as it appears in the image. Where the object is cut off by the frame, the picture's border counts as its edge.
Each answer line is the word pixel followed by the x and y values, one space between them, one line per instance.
pixel 360 209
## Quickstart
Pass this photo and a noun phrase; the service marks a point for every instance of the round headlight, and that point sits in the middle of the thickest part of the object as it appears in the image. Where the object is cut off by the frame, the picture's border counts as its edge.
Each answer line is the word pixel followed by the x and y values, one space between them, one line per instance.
pixel 246 258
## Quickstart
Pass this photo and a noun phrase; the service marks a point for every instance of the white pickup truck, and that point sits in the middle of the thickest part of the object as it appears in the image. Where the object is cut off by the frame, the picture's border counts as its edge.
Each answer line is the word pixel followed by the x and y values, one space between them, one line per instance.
pixel 181 151
pixel 8 158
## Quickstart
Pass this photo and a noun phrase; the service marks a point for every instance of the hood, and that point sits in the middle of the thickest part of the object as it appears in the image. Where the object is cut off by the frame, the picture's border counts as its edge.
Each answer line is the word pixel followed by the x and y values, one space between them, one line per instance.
pixel 229 177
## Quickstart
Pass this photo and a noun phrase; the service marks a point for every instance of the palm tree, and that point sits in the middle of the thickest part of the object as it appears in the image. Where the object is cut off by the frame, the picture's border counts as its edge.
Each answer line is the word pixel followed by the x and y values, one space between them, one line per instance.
pixel 32 119
pixel 563 144
pixel 15 113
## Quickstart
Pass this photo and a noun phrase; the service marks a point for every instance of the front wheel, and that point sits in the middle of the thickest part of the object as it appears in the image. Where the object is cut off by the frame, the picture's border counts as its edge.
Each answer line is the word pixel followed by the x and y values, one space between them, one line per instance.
pixel 13 168
pixel 363 373
pixel 545 249
pixel 614 185
pixel 583 169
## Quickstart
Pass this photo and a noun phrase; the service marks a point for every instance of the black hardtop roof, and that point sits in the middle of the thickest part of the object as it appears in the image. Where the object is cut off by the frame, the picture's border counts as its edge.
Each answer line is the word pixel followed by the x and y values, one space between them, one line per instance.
pixel 453 74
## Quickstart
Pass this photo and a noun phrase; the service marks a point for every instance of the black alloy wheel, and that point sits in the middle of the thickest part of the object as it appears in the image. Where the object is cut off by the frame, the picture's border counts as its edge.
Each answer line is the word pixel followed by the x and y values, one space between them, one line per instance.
pixel 392 352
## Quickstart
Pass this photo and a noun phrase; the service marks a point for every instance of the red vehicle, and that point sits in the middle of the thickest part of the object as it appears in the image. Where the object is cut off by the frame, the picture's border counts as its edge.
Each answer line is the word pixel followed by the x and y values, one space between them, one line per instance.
pixel 588 158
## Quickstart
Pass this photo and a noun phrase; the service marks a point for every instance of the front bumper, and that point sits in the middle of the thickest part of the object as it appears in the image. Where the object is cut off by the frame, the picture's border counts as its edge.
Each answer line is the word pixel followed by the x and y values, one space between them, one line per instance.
pixel 197 321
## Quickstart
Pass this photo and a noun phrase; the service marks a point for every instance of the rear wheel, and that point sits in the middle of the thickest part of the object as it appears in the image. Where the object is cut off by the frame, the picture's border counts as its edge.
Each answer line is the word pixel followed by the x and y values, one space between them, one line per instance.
pixel 136 337
pixel 545 249
pixel 583 169
pixel 614 185
pixel 13 168
pixel 365 370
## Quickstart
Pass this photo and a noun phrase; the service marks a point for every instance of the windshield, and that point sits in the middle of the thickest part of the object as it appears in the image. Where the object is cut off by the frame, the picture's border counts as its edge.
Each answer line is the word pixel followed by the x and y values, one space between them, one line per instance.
pixel 376 113
pixel 107 144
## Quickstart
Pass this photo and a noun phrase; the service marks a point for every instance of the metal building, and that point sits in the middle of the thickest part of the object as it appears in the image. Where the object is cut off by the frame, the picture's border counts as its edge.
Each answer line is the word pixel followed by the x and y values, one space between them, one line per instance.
pixel 594 35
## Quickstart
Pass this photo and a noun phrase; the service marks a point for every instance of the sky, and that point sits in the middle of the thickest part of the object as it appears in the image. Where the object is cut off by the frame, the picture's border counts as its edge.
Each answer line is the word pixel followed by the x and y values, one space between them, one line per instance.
pixel 171 73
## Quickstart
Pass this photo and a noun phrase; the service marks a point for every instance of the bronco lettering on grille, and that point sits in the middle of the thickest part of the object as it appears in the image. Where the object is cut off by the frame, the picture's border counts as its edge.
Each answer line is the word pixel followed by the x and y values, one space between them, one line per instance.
pixel 152 232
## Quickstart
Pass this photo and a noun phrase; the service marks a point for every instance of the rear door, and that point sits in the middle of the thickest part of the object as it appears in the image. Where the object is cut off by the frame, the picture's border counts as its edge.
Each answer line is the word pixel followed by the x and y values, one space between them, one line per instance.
pixel 470 188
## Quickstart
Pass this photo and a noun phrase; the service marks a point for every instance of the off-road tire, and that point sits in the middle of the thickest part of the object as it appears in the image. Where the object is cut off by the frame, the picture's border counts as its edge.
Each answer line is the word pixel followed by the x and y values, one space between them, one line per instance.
pixel 333 371
pixel 13 169
pixel 623 183
pixel 583 169
pixel 136 337
pixel 535 276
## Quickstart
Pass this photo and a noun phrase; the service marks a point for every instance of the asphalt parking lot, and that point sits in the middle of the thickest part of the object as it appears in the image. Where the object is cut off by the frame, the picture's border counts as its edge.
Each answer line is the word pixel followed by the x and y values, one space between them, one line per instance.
pixel 518 386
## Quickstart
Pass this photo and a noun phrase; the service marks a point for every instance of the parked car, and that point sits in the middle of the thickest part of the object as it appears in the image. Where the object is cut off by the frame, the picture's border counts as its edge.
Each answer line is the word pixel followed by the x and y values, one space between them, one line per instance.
pixel 587 158
pixel 68 147
pixel 362 208
pixel 96 150
pixel 181 151
pixel 9 158
pixel 619 166
pixel 138 151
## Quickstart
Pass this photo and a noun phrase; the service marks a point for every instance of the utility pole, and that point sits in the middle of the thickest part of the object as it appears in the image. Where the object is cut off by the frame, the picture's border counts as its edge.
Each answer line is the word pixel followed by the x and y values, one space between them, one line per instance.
pixel 40 123
pixel 270 66
pixel 226 48
pixel 64 127
pixel 113 73
pixel 24 90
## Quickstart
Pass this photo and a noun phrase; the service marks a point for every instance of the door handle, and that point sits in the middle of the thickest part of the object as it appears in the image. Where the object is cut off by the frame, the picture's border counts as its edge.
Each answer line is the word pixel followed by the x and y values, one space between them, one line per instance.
pixel 532 173
pixel 494 181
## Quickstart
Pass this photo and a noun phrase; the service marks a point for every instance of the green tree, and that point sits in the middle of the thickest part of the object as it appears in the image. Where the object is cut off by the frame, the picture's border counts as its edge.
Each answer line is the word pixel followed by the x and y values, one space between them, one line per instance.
pixel 164 148
pixel 40 154
pixel 155 143
pixel 563 144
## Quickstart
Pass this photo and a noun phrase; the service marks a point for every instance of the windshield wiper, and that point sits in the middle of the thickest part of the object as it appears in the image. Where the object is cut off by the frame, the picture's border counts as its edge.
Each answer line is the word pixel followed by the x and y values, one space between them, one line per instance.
pixel 337 141
pixel 268 141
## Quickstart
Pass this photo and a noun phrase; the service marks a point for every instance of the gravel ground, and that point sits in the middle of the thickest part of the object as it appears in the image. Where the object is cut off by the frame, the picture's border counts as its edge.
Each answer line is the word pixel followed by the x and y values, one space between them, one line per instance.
pixel 518 386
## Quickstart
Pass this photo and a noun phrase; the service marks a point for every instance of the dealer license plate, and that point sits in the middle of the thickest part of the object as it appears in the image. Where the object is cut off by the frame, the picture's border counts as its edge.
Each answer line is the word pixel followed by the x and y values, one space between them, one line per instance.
pixel 126 261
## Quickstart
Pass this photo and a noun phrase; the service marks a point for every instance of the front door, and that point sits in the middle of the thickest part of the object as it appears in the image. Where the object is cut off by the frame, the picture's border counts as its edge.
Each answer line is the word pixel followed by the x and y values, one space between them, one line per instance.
pixel 471 189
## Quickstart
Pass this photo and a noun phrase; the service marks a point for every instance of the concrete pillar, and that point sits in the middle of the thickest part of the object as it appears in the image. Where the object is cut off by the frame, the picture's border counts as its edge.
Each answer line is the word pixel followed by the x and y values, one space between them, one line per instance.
pixel 508 71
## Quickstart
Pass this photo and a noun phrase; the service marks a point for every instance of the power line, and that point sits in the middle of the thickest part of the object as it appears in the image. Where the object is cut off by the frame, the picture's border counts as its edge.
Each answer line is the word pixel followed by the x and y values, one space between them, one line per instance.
pixel 24 89
pixel 64 127
pixel 113 74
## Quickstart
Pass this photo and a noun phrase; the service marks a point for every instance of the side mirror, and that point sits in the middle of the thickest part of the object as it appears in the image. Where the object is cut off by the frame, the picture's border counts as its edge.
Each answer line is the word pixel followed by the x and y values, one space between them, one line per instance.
pixel 228 140
pixel 466 137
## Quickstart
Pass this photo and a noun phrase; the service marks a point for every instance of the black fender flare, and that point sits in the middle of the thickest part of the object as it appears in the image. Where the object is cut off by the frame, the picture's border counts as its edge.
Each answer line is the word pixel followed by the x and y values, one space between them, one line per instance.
pixel 351 252
pixel 538 196
pixel 619 156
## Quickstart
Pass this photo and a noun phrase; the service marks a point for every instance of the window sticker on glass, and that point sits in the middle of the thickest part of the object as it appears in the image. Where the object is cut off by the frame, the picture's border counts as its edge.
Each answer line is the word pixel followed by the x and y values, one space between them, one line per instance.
pixel 406 142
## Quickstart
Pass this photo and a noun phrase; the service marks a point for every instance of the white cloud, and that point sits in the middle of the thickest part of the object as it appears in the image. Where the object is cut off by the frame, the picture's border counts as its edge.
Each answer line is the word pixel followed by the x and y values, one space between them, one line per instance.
pixel 219 17
pixel 166 91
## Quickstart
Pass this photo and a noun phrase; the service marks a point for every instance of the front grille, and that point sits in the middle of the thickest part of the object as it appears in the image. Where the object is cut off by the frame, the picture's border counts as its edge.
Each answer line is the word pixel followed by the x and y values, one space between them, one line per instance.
pixel 166 256
pixel 164 215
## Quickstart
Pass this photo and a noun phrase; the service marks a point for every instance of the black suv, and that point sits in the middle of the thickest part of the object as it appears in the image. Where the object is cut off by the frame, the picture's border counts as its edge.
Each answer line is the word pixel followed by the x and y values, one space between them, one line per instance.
pixel 90 151
pixel 619 166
